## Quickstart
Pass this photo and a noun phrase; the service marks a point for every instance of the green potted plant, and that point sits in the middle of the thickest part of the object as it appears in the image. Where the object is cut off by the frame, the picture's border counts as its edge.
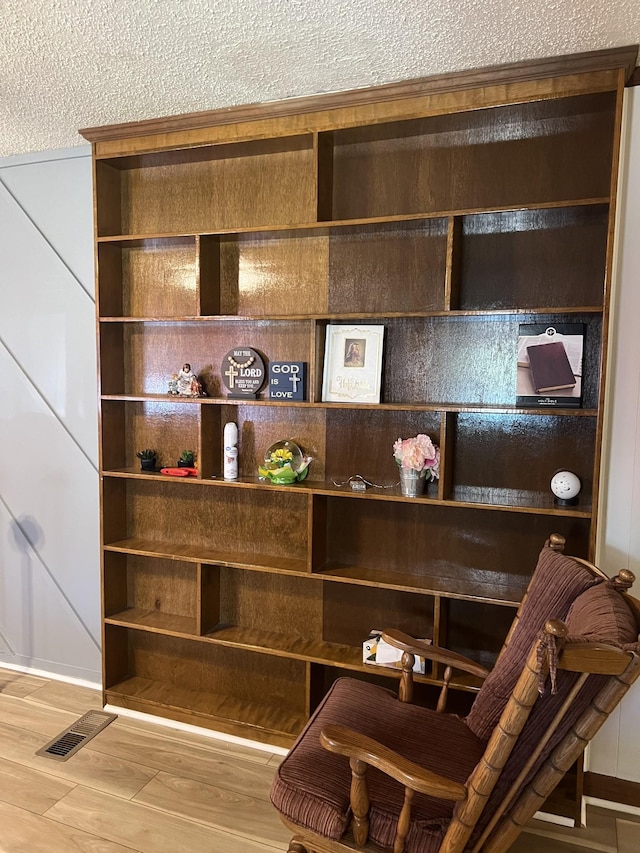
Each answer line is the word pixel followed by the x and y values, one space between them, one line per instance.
pixel 147 459
pixel 187 459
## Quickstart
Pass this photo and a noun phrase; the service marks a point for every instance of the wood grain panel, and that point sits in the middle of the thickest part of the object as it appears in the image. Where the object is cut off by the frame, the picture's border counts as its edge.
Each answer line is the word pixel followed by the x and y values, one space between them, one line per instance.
pixel 372 458
pixel 260 427
pixel 541 152
pixel 275 274
pixel 268 522
pixel 219 187
pixel 532 449
pixel 155 622
pixel 37 719
pixel 23 830
pixel 168 428
pixel 109 278
pixel 351 612
pixel 108 188
pixel 114 581
pixel 477 630
pixel 29 789
pixel 153 351
pixel 216 806
pixel 271 603
pixel 111 359
pixel 208 612
pixel 142 826
pixel 159 278
pixel 474 551
pixel 494 588
pixel 397 267
pixel 470 360
pixel 294 646
pixel 197 554
pixel 114 510
pixel 166 586
pixel 106 773
pixel 215 681
pixel 208 274
pixel 553 257
pixel 19 684
pixel 115 658
pixel 200 760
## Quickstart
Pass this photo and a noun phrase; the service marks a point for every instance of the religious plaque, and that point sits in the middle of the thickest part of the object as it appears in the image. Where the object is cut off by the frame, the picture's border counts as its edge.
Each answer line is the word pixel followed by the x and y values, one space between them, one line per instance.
pixel 287 380
pixel 243 372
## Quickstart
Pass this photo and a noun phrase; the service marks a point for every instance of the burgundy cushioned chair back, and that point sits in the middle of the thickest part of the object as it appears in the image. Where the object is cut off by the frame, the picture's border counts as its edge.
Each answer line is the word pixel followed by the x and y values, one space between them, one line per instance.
pixel 556 583
pixel 601 614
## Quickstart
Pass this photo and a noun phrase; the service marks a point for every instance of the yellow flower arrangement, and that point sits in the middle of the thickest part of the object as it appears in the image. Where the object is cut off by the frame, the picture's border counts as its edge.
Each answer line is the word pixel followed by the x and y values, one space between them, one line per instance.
pixel 284 463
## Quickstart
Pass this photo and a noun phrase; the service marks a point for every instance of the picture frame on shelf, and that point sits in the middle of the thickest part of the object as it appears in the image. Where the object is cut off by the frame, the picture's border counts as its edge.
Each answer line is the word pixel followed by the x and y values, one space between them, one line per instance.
pixel 550 357
pixel 353 363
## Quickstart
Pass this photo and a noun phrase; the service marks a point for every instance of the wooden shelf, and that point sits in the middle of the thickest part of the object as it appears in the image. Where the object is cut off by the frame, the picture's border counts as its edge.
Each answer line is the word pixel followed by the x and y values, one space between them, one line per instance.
pixel 207 709
pixel 171 551
pixel 272 643
pixel 452 218
pixel 501 500
pixel 506 593
pixel 360 315
pixel 352 222
pixel 356 407
pixel 154 621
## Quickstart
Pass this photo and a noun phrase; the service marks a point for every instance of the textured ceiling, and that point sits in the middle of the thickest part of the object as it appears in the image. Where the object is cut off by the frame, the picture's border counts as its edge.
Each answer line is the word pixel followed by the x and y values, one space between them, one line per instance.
pixel 66 64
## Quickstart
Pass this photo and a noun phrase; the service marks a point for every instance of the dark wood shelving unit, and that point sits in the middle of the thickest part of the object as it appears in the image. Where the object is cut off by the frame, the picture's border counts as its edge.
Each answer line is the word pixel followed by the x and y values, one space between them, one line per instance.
pixel 448 211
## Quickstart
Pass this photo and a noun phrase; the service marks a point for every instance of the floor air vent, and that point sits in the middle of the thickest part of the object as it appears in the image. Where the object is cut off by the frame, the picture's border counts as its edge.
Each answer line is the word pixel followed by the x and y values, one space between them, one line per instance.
pixel 74 738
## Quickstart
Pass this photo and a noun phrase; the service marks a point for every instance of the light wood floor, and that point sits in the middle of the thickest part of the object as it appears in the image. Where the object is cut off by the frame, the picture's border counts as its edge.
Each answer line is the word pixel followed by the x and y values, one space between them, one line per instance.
pixel 141 787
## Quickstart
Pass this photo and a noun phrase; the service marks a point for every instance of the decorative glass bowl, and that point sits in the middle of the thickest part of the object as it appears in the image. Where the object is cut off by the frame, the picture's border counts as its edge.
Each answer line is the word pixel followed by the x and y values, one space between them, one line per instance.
pixel 284 464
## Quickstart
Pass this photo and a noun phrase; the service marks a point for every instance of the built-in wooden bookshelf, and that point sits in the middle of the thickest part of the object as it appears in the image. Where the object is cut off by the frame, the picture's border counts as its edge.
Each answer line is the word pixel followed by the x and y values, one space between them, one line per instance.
pixel 451 211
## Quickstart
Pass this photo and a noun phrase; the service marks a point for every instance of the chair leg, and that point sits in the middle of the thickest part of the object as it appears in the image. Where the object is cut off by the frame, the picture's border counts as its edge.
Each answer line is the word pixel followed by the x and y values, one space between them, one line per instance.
pixel 296 847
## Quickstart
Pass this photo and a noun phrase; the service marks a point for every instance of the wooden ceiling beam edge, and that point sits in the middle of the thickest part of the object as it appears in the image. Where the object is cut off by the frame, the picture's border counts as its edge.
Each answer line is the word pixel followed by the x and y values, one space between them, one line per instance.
pixel 597 60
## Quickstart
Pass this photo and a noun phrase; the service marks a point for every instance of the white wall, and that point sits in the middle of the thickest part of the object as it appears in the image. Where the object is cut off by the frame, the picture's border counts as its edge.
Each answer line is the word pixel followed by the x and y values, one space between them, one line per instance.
pixel 49 533
pixel 616 750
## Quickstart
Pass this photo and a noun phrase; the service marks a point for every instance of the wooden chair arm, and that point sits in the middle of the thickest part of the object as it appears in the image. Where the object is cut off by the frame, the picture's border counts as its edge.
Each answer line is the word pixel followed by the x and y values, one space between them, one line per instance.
pixel 599 658
pixel 356 746
pixel 435 653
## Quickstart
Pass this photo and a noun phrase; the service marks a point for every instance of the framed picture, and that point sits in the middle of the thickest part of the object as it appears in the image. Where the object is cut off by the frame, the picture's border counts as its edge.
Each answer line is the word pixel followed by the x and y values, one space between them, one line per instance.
pixel 353 364
pixel 550 365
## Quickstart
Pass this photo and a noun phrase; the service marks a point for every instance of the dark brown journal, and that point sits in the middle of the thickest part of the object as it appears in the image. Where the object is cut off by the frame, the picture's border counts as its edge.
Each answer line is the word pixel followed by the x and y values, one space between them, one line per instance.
pixel 550 368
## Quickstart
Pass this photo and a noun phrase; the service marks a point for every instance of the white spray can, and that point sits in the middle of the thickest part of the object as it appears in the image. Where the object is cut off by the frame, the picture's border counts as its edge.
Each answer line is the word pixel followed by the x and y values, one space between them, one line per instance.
pixel 230 455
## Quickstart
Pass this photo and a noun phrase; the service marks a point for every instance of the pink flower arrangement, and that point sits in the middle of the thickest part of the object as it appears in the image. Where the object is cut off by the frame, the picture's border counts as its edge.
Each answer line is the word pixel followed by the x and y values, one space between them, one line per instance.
pixel 419 453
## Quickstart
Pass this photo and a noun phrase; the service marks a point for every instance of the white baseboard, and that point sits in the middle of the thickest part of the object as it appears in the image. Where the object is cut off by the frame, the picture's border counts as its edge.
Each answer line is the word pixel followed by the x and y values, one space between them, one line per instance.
pixel 613 807
pixel 556 819
pixel 196 730
pixel 53 676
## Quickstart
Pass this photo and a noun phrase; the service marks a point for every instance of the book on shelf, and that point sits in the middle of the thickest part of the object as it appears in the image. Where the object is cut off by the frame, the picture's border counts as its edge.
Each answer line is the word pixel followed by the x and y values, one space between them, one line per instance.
pixel 549 372
pixel 353 363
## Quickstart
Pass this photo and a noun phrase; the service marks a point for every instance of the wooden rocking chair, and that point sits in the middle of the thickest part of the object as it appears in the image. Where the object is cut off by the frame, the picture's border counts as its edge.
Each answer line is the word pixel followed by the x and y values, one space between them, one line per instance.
pixel 373 772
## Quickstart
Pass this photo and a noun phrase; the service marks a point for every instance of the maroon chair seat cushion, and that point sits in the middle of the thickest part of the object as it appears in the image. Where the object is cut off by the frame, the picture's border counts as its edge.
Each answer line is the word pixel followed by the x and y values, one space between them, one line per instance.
pixel 556 583
pixel 311 786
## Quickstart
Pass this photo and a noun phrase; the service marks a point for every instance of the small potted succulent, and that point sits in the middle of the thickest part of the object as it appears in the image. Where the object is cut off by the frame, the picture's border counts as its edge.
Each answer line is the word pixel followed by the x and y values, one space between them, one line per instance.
pixel 187 459
pixel 147 459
